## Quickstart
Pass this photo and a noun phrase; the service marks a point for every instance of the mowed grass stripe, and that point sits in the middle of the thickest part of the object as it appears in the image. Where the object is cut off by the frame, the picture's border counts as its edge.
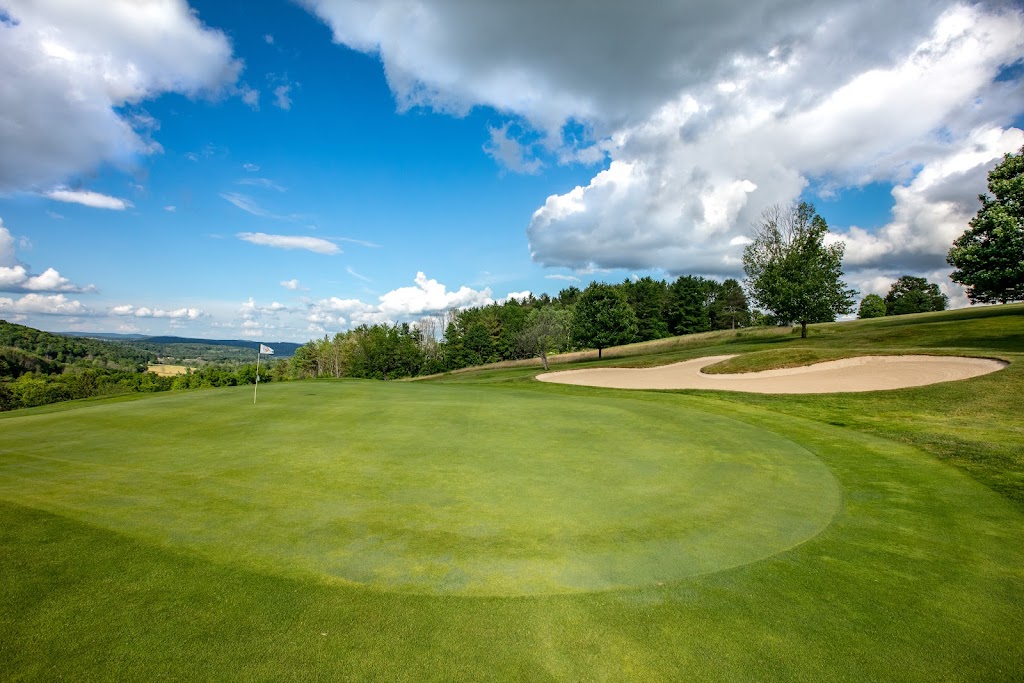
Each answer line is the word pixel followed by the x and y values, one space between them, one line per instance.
pixel 428 488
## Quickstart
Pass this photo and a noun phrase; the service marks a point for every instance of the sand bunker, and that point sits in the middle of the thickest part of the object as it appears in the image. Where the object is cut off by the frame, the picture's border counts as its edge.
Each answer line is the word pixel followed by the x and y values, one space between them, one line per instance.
pixel 865 373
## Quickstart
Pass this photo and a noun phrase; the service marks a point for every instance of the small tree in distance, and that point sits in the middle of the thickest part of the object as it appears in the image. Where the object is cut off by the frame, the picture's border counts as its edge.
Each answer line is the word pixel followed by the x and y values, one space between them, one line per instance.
pixel 791 272
pixel 547 329
pixel 603 318
pixel 989 256
pixel 871 306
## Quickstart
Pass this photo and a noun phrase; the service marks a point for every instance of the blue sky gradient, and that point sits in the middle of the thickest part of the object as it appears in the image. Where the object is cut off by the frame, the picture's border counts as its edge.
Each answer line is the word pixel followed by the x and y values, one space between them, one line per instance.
pixel 295 169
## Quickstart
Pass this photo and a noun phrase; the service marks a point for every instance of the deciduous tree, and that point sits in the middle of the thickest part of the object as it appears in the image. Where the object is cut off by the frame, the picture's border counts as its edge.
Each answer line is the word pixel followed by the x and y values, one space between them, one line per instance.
pixel 603 318
pixel 871 306
pixel 791 272
pixel 989 256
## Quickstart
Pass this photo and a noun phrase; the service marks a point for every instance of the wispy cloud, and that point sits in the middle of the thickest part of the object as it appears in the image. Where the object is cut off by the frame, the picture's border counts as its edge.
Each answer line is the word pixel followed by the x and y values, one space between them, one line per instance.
pixel 262 182
pixel 362 243
pixel 566 278
pixel 89 198
pixel 314 244
pixel 246 203
pixel 356 275
pixel 251 168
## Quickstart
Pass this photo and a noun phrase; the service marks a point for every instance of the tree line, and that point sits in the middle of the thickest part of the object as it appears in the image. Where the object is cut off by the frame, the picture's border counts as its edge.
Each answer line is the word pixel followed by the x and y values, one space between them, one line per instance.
pixel 599 316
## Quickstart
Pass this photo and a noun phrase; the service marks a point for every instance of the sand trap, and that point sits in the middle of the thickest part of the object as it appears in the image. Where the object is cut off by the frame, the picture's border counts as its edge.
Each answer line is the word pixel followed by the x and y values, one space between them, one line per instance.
pixel 865 373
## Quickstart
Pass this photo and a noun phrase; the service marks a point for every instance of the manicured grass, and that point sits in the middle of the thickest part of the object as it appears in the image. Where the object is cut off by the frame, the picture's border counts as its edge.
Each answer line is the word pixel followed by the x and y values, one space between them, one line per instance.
pixel 321 534
pixel 442 492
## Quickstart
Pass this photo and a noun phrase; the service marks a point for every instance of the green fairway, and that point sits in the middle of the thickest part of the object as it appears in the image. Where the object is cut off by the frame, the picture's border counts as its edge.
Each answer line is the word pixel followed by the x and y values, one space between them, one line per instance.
pixel 490 527
pixel 354 481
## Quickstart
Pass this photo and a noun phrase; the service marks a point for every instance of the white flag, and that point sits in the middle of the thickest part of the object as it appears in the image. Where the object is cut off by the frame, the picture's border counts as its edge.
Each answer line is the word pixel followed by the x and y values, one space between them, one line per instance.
pixel 266 349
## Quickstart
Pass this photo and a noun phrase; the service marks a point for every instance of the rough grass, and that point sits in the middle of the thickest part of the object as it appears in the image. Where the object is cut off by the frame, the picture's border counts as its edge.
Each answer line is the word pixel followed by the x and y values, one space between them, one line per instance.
pixel 918 577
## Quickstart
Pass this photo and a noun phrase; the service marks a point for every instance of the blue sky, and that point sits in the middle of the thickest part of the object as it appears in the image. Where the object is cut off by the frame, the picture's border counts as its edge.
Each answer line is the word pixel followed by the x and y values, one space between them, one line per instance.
pixel 282 170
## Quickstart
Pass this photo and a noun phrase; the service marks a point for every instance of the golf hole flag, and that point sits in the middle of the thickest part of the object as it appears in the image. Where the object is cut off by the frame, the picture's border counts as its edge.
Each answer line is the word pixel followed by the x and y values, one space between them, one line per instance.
pixel 263 349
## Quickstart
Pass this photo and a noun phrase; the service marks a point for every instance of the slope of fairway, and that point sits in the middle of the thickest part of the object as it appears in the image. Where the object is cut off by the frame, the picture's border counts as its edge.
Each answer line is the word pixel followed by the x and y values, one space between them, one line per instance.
pixel 426 488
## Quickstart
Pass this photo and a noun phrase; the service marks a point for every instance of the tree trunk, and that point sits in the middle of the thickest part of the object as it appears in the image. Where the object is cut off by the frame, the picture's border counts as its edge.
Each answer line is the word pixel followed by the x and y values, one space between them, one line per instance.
pixel 803 329
pixel 599 353
pixel 544 359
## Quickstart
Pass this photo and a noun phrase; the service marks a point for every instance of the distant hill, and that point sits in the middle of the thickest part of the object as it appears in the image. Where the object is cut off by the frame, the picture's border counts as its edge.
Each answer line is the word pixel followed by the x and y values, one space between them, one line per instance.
pixel 166 345
pixel 103 335
pixel 283 349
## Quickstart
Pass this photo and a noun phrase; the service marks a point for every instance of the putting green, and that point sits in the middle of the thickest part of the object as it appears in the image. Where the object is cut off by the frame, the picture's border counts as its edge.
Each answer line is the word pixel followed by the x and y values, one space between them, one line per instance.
pixel 426 488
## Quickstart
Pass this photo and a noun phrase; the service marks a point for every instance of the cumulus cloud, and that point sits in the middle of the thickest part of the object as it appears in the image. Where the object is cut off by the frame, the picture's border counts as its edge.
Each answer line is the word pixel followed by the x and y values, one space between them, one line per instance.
pixel 250 309
pixel 685 185
pixel 16 277
pixel 292 284
pixel 708 112
pixel 314 244
pixel 88 198
pixel 426 296
pixel 184 313
pixel 54 304
pixel 71 69
pixel 7 256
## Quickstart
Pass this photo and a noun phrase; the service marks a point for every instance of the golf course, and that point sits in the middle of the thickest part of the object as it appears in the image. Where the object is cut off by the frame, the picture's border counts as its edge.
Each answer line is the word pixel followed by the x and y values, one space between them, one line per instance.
pixel 484 525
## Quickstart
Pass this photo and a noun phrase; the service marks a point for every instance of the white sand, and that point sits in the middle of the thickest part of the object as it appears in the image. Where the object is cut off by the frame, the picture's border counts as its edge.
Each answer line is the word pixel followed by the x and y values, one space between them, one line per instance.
pixel 865 373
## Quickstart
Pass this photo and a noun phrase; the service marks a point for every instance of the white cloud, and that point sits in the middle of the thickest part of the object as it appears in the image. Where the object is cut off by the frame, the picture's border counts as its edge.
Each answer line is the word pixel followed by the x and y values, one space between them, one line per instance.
pixel 70 69
pixel 518 296
pixel 7 256
pixel 430 296
pixel 261 182
pixel 282 98
pixel 246 203
pixel 88 198
pixel 251 310
pixel 170 209
pixel 251 168
pixel 404 304
pixel 268 39
pixel 184 313
pixel 292 284
pixel 711 111
pixel 353 273
pixel 250 96
pixel 511 153
pixel 566 278
pixel 54 304
pixel 685 185
pixel 18 279
pixel 15 276
pixel 314 244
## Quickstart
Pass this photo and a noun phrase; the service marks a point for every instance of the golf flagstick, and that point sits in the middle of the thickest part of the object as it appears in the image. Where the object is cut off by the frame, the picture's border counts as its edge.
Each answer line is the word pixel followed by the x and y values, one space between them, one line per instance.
pixel 260 351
